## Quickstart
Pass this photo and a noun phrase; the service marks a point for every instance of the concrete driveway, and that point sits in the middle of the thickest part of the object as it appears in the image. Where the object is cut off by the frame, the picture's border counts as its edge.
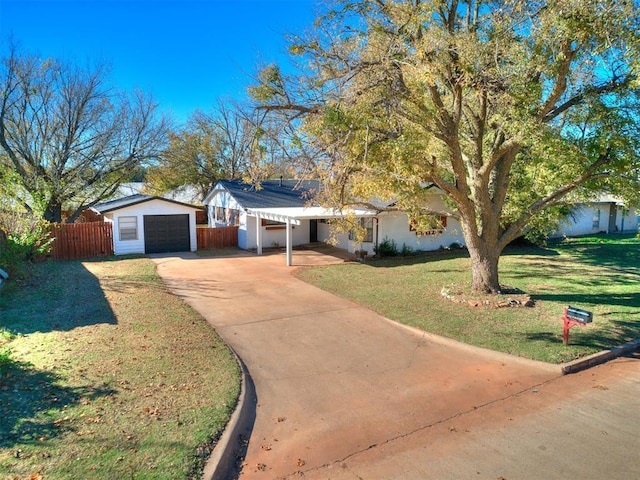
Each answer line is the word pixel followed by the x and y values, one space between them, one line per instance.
pixel 343 393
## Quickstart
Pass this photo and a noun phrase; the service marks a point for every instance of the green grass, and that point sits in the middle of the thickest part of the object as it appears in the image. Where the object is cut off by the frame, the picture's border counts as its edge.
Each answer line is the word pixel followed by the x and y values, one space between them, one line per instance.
pixel 597 273
pixel 109 376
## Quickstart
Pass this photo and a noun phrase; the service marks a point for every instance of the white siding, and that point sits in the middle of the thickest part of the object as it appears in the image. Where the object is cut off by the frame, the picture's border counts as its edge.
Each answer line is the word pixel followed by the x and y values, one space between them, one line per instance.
pixel 627 220
pixel 271 237
pixel 152 207
pixel 395 226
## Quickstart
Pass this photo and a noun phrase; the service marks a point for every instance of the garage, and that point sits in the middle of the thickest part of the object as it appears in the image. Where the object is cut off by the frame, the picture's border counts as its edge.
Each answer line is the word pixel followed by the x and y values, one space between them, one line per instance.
pixel 149 224
pixel 166 233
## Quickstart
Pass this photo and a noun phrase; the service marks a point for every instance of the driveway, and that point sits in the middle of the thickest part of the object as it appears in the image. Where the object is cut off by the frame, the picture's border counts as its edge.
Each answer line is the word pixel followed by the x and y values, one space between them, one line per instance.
pixel 344 393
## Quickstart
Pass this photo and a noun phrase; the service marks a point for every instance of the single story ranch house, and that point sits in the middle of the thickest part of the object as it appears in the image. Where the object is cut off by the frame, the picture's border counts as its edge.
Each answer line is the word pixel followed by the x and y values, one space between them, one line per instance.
pixel 280 212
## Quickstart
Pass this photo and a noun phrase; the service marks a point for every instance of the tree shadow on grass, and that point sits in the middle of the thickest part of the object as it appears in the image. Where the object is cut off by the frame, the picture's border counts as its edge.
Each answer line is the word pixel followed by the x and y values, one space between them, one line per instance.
pixel 31 401
pixel 55 296
pixel 605 299
pixel 615 334
pixel 617 252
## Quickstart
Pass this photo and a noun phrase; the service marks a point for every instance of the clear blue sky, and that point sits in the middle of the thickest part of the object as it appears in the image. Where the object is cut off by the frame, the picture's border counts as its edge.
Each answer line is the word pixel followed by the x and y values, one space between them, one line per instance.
pixel 186 53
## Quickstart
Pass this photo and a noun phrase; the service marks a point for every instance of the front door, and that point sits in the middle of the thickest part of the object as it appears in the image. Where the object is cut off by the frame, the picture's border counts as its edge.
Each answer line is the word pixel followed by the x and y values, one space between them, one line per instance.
pixel 313 231
pixel 613 214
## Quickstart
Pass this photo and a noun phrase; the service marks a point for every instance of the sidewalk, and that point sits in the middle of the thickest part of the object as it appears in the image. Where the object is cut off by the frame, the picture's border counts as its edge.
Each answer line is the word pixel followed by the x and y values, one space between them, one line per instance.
pixel 333 379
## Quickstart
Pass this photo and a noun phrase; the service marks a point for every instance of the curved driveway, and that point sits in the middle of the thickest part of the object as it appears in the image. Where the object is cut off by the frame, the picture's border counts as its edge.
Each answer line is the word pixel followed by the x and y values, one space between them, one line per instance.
pixel 343 392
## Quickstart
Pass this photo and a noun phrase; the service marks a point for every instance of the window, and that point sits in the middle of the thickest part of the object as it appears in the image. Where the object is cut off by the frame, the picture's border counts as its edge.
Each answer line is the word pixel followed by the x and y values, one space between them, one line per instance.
pixel 220 214
pixel 234 217
pixel 432 231
pixel 128 227
pixel 596 219
pixel 264 222
pixel 366 224
pixel 273 225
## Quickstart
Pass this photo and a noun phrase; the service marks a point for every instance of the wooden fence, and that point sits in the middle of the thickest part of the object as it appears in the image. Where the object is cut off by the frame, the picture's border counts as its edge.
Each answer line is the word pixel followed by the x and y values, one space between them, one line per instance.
pixel 81 240
pixel 220 237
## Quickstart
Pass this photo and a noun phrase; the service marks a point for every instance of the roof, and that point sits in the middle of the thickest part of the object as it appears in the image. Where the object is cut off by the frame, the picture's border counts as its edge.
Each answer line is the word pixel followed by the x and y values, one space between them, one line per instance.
pixel 186 194
pixel 293 215
pixel 132 200
pixel 271 194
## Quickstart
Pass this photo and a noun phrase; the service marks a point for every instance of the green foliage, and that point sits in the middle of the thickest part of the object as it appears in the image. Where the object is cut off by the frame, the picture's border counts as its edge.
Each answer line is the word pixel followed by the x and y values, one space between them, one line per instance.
pixel 5 358
pixel 386 248
pixel 513 111
pixel 22 238
pixel 68 139
pixel 406 250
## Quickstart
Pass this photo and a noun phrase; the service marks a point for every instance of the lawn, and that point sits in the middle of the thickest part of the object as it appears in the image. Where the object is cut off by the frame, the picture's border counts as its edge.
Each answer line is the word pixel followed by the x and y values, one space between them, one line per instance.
pixel 598 273
pixel 110 376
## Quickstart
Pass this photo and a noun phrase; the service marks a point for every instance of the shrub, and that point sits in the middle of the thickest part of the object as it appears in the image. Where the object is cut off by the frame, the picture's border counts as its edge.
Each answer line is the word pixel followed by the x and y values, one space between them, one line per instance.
pixel 406 250
pixel 386 248
pixel 22 238
pixel 5 358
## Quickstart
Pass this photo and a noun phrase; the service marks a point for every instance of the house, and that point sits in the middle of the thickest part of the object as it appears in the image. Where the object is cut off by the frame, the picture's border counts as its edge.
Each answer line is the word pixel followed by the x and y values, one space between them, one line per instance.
pixel 281 212
pixel 149 224
pixel 606 214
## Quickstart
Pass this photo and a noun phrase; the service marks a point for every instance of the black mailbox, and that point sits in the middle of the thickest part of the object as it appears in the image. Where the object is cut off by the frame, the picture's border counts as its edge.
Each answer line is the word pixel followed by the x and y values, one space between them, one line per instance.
pixel 579 315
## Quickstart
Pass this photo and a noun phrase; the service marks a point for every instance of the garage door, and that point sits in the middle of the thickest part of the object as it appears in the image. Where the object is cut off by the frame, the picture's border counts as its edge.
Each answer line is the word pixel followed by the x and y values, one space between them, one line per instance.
pixel 166 233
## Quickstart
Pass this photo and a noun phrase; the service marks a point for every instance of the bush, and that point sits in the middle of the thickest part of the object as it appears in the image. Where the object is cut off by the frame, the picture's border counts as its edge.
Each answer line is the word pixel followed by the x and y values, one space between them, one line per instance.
pixel 22 238
pixel 386 248
pixel 5 358
pixel 406 250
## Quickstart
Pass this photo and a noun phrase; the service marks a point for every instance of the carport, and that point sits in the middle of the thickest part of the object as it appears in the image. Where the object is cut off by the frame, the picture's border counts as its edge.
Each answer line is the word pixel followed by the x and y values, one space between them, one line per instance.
pixel 294 215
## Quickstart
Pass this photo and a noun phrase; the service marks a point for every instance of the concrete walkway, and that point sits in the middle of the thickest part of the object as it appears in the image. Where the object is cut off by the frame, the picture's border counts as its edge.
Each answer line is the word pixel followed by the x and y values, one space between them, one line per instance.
pixel 345 393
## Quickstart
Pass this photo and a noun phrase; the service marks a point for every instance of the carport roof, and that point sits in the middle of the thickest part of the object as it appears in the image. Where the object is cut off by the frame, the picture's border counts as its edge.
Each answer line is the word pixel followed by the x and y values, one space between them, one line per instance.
pixel 294 215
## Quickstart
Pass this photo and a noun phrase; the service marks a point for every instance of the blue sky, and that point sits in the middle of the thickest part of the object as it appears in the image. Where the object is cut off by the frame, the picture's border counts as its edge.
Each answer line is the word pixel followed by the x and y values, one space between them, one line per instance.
pixel 186 53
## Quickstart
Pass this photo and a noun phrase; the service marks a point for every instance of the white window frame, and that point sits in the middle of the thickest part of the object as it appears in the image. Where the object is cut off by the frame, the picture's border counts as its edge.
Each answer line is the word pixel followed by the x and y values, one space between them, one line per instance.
pixel 128 228
pixel 596 219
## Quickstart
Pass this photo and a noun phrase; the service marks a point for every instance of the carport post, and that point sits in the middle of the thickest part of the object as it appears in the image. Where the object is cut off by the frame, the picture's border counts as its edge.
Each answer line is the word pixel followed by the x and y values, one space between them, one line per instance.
pixel 259 234
pixel 289 250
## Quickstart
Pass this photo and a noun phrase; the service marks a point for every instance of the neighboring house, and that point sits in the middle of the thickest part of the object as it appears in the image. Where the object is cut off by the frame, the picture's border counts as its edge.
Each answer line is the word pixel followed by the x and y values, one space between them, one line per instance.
pixel 148 224
pixel 607 214
pixel 281 213
pixel 185 194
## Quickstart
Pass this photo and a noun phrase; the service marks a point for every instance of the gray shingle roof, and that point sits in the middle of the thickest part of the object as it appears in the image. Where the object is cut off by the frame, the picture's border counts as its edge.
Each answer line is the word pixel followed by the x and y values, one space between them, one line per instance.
pixel 131 200
pixel 273 193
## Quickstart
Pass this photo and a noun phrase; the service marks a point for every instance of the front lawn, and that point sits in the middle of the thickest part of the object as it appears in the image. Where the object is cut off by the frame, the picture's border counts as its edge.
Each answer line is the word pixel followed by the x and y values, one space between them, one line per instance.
pixel 108 376
pixel 598 273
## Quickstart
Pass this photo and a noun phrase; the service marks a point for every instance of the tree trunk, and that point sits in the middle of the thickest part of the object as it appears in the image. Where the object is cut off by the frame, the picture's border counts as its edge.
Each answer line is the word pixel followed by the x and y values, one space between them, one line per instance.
pixel 484 270
pixel 484 251
pixel 53 213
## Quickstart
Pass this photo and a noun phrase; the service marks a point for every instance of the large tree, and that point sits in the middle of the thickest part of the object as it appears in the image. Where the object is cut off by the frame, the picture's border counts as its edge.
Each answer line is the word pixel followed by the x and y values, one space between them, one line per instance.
pixel 230 141
pixel 513 108
pixel 210 146
pixel 69 139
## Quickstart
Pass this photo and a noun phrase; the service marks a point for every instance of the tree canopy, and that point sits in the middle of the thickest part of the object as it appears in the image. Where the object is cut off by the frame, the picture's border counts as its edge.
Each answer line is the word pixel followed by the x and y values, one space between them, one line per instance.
pixel 513 108
pixel 68 139
pixel 229 141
